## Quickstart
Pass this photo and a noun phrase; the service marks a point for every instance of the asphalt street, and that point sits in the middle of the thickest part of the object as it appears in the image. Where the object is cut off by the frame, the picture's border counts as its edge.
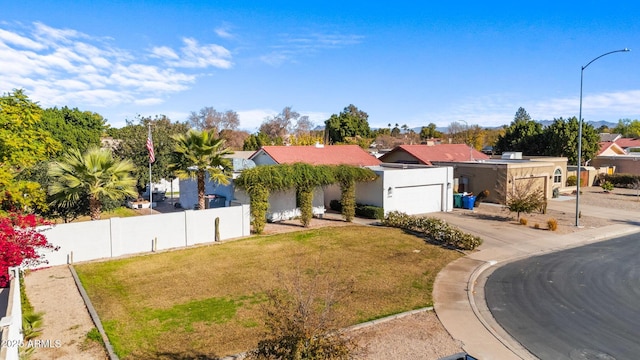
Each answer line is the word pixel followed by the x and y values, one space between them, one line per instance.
pixel 581 303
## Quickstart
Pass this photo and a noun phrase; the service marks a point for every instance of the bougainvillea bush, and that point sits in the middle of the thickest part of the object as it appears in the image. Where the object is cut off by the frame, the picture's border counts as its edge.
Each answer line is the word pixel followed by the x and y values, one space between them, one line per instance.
pixel 20 242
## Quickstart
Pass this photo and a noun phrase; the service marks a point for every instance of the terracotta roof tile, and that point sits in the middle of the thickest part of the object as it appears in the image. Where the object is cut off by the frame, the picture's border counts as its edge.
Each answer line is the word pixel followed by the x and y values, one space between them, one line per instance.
pixel 321 155
pixel 627 142
pixel 443 152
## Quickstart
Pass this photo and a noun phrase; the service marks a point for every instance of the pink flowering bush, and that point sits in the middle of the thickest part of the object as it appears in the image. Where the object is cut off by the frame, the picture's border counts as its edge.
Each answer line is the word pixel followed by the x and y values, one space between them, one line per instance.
pixel 20 242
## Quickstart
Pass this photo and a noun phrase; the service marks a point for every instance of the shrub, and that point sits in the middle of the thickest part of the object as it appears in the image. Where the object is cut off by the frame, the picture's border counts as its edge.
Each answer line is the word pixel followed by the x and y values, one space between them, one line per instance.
pixel 607 186
pixel 301 319
pixel 20 242
pixel 435 229
pixel 370 211
pixel 621 180
pixel 572 180
pixel 335 205
pixel 552 224
pixel 523 221
pixel 536 226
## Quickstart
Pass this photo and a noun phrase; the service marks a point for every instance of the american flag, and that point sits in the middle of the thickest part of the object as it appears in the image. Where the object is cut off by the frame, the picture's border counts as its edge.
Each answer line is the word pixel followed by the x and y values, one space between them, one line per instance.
pixel 152 155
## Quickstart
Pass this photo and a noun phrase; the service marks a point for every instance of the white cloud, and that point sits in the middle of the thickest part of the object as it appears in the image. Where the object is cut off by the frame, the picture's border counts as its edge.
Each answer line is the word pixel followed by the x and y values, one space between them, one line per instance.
pixel 223 33
pixel 194 55
pixel 60 67
pixel 252 119
pixel 148 101
pixel 291 47
pixel 609 106
pixel 15 39
pixel 164 52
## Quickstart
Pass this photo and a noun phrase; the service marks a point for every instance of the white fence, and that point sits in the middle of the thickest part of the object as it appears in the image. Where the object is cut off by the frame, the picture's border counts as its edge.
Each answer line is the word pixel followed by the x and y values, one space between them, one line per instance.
pixel 115 237
pixel 11 323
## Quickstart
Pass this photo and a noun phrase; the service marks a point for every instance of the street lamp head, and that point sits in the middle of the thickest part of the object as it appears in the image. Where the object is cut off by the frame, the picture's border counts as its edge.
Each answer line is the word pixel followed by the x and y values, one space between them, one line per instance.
pixel 627 49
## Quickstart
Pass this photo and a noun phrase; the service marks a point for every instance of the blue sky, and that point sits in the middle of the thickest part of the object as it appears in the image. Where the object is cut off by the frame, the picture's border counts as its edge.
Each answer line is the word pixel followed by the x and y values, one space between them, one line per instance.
pixel 401 62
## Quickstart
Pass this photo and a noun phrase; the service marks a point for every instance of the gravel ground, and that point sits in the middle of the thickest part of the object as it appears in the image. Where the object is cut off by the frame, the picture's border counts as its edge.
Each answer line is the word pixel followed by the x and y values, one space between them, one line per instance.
pixel 417 336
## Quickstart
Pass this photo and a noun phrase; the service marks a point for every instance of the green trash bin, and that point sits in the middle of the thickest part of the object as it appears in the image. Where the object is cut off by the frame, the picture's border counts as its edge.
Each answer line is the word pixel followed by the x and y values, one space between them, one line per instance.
pixel 457 200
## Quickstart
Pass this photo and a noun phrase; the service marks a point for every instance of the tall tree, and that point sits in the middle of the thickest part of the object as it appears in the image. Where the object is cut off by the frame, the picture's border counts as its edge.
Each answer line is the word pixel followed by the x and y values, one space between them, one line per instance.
pixel 197 153
pixel 23 144
pixel 209 118
pixel 522 135
pixel 279 125
pixel 74 129
pixel 561 139
pixel 130 143
pixel 429 132
pixel 628 128
pixel 95 175
pixel 351 122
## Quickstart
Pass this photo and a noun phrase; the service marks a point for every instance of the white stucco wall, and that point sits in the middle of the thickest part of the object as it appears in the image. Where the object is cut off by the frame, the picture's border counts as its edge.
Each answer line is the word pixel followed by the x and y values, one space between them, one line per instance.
pixel 115 237
pixel 410 190
pixel 282 205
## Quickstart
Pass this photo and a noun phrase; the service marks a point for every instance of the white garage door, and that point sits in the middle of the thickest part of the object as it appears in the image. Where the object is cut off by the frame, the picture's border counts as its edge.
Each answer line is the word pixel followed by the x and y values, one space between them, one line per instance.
pixel 418 199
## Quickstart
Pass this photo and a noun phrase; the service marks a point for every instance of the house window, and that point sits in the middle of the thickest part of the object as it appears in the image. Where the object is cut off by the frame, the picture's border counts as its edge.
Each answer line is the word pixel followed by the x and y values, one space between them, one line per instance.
pixel 557 176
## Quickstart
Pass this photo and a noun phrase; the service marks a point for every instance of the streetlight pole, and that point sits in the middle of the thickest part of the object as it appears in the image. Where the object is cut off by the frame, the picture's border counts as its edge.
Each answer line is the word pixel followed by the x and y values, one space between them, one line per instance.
pixel 580 133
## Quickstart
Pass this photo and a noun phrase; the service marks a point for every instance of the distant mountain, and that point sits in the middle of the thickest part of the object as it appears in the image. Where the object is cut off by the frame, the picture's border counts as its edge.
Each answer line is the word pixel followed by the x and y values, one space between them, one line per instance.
pixel 595 124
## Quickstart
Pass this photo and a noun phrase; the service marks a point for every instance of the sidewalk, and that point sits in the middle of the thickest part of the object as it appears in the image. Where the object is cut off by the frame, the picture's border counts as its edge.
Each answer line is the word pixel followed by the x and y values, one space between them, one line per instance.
pixel 459 288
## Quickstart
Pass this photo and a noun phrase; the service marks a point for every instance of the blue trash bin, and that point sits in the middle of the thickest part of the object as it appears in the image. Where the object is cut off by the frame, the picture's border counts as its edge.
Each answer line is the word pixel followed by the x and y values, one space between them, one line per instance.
pixel 468 202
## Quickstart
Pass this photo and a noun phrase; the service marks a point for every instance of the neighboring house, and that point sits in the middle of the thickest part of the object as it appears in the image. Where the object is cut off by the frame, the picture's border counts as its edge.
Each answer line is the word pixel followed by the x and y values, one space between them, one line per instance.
pixel 501 176
pixel 217 195
pixel 474 171
pixel 619 155
pixel 428 154
pixel 610 148
pixel 628 144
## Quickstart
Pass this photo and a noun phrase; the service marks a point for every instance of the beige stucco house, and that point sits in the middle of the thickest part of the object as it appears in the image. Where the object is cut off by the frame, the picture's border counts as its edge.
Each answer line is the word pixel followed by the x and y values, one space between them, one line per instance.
pixel 474 172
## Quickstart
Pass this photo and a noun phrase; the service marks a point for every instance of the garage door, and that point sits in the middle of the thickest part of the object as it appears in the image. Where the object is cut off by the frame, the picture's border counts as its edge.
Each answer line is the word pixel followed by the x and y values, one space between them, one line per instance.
pixel 418 199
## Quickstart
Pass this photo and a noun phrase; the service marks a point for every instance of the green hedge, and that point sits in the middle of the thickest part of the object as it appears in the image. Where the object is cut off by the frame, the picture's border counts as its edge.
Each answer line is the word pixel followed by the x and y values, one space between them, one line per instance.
pixel 435 229
pixel 365 211
pixel 621 180
pixel 370 211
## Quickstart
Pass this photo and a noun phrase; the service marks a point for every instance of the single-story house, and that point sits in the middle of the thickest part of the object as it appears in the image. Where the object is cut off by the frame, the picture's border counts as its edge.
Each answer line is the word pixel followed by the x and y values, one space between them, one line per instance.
pixel 499 176
pixel 412 189
pixel 475 171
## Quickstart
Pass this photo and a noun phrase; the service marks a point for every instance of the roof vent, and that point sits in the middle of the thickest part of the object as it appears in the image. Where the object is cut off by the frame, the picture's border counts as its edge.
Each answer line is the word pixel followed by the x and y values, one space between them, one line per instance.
pixel 512 155
pixel 318 145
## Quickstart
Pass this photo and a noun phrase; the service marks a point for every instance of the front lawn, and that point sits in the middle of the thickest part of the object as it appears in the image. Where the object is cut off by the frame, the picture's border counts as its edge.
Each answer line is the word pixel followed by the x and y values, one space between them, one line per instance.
pixel 206 302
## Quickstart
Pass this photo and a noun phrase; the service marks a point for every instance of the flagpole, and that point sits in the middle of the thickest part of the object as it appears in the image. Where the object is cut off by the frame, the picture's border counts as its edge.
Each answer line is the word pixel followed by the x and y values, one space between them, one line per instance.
pixel 150 184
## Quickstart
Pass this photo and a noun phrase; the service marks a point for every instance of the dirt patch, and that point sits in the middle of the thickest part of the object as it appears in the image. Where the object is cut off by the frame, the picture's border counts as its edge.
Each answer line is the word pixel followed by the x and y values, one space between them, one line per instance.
pixel 66 320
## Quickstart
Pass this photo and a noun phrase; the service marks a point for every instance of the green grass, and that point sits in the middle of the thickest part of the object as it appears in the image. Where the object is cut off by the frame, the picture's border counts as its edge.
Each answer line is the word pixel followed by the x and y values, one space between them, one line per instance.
pixel 207 301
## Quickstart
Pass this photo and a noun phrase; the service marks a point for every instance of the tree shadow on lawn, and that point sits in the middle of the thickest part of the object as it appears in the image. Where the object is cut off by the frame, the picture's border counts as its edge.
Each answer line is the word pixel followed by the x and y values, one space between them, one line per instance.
pixel 185 356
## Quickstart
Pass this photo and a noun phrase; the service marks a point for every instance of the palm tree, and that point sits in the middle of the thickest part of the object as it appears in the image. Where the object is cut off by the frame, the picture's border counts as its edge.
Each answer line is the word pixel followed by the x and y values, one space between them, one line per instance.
pixel 197 153
pixel 94 175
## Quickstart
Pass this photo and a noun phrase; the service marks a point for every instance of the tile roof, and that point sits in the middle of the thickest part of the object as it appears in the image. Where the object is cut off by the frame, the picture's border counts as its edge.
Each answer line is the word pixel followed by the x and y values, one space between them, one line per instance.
pixel 627 142
pixel 609 137
pixel 609 147
pixel 320 155
pixel 443 152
